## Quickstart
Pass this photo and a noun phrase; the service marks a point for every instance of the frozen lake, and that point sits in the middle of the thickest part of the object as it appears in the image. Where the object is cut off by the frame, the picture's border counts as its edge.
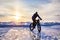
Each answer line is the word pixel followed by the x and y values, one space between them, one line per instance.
pixel 23 33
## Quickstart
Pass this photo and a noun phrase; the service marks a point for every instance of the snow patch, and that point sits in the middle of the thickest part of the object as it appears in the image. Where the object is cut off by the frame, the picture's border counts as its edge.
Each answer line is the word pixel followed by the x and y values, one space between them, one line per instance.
pixel 14 34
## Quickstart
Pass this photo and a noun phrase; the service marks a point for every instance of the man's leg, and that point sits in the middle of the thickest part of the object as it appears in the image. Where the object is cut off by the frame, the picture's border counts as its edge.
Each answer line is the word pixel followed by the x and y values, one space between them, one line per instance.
pixel 39 27
pixel 34 24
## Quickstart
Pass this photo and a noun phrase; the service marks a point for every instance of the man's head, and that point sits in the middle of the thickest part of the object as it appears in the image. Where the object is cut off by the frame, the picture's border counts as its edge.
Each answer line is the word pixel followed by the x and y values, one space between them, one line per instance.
pixel 36 13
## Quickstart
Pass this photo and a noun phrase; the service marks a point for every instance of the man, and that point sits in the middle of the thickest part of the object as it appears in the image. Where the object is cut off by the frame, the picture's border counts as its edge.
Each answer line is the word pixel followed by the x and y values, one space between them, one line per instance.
pixel 35 16
pixel 34 21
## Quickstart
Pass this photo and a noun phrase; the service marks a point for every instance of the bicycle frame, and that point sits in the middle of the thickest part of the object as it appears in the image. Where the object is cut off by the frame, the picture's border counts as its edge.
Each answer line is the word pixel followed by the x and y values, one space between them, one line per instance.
pixel 32 25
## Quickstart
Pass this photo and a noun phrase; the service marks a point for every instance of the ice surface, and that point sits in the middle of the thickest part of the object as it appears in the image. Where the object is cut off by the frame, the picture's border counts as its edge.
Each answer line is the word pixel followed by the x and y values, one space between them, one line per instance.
pixel 49 33
pixel 22 33
pixel 16 34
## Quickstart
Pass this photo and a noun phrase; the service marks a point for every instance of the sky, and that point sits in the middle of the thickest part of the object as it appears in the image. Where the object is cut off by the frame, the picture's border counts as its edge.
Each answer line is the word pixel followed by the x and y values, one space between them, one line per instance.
pixel 22 10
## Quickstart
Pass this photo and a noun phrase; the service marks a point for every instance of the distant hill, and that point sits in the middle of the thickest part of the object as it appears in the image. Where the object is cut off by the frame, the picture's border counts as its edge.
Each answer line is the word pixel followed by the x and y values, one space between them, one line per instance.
pixel 26 24
pixel 50 23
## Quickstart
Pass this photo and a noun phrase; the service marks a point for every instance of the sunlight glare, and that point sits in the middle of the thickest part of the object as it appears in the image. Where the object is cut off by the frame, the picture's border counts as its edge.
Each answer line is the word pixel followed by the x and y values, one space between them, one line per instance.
pixel 17 16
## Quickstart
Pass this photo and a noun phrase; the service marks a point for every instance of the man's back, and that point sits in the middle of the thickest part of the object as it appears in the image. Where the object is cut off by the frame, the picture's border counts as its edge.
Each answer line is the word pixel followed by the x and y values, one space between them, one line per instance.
pixel 35 16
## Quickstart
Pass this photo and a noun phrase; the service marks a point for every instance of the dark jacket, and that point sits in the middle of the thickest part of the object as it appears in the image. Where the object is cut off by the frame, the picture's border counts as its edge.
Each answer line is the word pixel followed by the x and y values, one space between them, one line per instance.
pixel 35 16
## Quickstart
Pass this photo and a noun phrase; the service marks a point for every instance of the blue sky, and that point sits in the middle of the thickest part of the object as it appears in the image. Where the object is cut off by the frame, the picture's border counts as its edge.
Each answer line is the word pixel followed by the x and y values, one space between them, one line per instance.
pixel 49 10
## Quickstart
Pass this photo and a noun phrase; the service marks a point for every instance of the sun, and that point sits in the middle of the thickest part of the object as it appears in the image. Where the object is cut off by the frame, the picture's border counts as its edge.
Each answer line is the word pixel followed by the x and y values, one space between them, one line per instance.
pixel 17 16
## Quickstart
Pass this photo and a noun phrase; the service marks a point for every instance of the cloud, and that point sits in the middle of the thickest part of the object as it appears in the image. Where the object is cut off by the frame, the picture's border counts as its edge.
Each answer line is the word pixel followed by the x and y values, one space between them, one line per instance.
pixel 5 15
pixel 7 7
pixel 47 9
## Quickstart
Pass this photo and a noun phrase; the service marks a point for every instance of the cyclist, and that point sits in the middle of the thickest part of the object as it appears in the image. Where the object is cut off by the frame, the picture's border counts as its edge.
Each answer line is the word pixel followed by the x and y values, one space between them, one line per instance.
pixel 36 22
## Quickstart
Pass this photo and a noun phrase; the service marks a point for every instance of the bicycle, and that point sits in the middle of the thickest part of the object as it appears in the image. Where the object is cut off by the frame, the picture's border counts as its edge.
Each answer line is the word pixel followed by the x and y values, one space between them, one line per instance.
pixel 32 27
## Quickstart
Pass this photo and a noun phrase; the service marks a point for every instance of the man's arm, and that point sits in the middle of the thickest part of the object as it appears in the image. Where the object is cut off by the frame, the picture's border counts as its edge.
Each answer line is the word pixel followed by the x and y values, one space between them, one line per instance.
pixel 39 17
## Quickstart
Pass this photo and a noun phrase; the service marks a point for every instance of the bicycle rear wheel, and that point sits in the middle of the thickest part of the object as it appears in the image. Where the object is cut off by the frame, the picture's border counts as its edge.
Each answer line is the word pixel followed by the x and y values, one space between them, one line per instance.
pixel 32 26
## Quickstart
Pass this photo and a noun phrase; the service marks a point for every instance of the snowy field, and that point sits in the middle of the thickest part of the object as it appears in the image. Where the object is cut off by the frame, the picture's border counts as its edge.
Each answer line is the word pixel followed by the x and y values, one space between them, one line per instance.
pixel 23 33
